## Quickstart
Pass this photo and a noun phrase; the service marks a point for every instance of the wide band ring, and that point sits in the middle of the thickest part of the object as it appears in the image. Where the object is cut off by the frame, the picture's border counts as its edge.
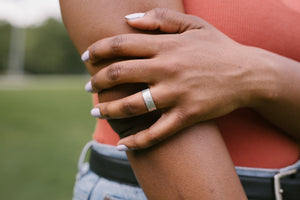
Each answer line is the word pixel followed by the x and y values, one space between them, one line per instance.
pixel 148 100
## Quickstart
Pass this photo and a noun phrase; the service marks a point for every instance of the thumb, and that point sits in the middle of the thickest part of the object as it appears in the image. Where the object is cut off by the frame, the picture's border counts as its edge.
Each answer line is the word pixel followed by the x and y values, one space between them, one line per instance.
pixel 164 20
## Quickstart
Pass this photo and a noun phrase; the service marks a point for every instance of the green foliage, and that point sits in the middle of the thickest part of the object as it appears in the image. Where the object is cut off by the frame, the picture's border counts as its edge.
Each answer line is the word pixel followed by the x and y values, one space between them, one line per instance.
pixel 49 50
pixel 4 45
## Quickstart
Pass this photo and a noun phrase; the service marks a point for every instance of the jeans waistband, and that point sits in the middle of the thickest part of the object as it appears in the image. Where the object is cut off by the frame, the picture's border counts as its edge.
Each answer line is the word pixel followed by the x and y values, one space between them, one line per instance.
pixel 111 151
pixel 104 149
pixel 264 172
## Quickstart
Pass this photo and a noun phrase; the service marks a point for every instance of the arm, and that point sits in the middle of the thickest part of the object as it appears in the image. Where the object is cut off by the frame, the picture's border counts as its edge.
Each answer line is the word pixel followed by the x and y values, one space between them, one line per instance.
pixel 280 103
pixel 89 21
pixel 191 165
pixel 205 69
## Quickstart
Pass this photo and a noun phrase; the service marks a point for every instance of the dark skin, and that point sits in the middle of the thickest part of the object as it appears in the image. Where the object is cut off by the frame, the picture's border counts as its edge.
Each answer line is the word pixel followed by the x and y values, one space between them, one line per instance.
pixel 204 68
pixel 199 148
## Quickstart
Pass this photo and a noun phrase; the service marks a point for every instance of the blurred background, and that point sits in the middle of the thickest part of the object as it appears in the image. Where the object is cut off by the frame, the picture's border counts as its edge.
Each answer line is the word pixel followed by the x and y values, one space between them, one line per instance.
pixel 44 110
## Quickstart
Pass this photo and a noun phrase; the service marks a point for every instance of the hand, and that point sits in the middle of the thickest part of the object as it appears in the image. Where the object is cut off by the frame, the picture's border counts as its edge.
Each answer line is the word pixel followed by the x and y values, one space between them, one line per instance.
pixel 195 73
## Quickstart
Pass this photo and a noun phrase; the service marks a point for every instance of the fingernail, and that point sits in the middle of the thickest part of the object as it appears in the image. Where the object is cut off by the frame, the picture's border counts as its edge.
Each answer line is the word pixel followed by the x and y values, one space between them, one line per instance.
pixel 85 56
pixel 122 147
pixel 88 87
pixel 135 16
pixel 95 112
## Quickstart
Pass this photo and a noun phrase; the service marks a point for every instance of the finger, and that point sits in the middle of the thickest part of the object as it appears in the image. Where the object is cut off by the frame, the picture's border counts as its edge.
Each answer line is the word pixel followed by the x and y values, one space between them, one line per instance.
pixel 129 45
pixel 130 71
pixel 167 125
pixel 165 20
pixel 130 106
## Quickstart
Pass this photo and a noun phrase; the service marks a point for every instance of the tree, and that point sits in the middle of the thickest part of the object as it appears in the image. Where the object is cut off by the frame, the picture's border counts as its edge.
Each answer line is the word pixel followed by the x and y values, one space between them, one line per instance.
pixel 4 45
pixel 50 51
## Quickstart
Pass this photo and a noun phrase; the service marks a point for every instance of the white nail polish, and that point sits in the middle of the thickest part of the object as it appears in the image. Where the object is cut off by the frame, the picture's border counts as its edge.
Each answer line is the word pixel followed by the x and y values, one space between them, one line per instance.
pixel 95 112
pixel 85 56
pixel 122 147
pixel 135 16
pixel 88 87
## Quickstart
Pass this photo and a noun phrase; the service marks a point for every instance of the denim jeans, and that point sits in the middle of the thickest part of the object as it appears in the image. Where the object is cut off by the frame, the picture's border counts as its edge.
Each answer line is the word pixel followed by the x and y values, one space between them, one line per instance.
pixel 89 186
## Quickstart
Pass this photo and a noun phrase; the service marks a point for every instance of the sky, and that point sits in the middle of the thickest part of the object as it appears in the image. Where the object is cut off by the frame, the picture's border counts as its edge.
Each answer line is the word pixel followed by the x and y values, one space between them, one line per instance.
pixel 24 13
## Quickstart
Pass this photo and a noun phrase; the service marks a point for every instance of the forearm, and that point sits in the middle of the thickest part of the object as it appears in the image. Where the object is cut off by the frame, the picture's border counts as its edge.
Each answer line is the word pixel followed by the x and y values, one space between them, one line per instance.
pixel 279 98
pixel 89 21
pixel 193 164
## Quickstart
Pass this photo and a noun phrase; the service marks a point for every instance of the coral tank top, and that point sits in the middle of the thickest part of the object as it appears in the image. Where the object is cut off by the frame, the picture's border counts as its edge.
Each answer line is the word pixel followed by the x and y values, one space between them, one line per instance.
pixel 273 25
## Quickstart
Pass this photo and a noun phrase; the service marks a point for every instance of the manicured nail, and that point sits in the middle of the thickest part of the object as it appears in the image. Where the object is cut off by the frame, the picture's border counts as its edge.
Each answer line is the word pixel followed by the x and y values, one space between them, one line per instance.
pixel 122 147
pixel 85 56
pixel 88 87
pixel 95 112
pixel 135 16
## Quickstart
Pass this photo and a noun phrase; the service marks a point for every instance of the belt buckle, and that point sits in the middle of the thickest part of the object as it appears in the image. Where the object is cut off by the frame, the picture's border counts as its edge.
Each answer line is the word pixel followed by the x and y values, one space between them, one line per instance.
pixel 277 186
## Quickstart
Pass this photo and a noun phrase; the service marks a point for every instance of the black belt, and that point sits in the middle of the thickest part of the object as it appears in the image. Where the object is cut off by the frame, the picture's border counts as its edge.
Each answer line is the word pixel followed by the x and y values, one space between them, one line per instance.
pixel 112 168
pixel 256 188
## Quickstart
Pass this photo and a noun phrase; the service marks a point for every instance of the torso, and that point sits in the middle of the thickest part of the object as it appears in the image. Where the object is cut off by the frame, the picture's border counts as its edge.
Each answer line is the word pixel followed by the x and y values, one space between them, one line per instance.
pixel 269 24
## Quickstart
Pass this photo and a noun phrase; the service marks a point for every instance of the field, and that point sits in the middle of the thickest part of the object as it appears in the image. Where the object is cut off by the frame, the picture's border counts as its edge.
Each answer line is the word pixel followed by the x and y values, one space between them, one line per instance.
pixel 44 123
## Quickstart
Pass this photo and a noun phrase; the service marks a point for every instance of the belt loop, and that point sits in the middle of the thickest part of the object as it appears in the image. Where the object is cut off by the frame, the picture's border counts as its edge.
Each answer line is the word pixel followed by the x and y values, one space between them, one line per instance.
pixel 277 186
pixel 83 154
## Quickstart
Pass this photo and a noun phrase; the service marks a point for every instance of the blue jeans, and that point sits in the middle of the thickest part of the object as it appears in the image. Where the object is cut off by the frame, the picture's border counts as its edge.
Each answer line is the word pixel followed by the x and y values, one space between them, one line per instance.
pixel 89 186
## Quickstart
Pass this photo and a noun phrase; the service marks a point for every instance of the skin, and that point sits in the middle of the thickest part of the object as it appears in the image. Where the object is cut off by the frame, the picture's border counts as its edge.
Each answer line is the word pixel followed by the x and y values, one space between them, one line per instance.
pixel 209 71
pixel 193 164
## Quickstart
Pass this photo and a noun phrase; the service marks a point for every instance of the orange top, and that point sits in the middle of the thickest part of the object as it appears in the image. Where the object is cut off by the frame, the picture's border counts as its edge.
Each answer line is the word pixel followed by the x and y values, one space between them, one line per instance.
pixel 103 132
pixel 268 24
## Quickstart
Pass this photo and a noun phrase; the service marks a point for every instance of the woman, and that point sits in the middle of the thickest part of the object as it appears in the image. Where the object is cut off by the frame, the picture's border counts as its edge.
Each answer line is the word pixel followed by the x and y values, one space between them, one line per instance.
pixel 194 139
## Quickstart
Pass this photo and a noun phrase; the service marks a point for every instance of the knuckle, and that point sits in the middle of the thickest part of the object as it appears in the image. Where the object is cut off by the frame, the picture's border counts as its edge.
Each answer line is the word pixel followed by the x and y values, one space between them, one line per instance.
pixel 93 53
pixel 114 72
pixel 196 22
pixel 104 111
pixel 136 143
pixel 180 117
pixel 152 138
pixel 191 115
pixel 116 44
pixel 128 108
pixel 161 13
pixel 94 82
pixel 170 43
pixel 174 68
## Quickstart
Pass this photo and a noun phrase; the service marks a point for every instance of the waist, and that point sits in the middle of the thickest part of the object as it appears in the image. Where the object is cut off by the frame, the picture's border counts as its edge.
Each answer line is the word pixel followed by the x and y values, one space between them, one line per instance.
pixel 258 183
pixel 251 141
pixel 254 142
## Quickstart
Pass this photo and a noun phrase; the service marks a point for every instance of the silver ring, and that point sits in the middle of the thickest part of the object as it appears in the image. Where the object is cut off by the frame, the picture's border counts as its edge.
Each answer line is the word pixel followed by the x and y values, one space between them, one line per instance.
pixel 148 100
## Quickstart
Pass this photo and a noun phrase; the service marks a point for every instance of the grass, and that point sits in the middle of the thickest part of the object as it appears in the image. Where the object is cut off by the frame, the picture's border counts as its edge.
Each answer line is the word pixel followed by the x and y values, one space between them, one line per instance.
pixel 44 123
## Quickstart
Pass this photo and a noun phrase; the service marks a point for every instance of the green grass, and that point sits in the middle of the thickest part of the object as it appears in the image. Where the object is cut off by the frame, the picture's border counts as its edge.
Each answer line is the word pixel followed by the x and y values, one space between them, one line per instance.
pixel 44 123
